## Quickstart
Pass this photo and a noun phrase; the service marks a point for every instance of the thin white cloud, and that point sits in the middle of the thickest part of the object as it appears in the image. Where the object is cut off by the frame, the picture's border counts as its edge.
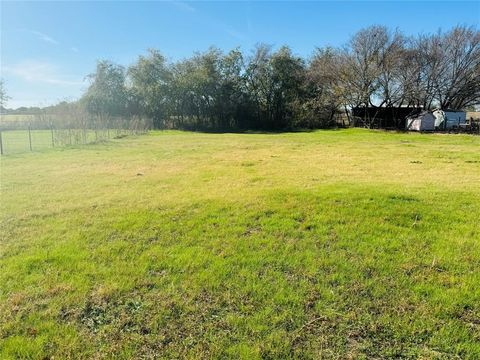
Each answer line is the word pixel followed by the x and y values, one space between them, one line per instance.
pixel 44 37
pixel 233 33
pixel 208 20
pixel 74 49
pixel 39 72
pixel 183 6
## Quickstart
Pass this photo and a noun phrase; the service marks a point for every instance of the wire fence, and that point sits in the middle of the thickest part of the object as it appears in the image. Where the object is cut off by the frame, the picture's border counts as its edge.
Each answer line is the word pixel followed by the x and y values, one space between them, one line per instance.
pixel 37 134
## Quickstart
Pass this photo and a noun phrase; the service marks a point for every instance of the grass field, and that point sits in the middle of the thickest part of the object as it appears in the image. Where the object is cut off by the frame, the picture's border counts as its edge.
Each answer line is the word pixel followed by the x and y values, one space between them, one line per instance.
pixel 17 141
pixel 17 117
pixel 329 244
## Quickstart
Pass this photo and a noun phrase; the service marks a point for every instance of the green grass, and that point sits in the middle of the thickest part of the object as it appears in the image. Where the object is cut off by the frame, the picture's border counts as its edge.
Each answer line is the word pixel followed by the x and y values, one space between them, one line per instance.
pixel 17 141
pixel 329 244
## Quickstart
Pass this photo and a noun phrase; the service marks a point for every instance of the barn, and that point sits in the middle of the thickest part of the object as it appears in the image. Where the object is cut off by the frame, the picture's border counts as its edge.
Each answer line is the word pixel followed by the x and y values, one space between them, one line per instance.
pixel 383 117
pixel 422 121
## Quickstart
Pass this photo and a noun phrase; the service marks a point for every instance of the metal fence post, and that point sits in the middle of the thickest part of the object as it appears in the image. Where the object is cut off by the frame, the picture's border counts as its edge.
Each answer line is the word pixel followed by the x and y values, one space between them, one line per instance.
pixel 51 130
pixel 30 137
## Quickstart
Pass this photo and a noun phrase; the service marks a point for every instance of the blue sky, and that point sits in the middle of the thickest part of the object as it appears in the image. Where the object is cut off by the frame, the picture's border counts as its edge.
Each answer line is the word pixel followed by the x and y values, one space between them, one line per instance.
pixel 47 48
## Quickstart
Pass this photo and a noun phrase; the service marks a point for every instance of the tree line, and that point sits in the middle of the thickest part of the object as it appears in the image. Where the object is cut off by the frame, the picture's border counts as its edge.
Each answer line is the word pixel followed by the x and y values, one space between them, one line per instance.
pixel 269 89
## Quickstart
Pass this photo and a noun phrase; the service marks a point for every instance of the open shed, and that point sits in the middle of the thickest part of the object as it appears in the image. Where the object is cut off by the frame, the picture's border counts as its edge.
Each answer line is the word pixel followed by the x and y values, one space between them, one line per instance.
pixel 383 117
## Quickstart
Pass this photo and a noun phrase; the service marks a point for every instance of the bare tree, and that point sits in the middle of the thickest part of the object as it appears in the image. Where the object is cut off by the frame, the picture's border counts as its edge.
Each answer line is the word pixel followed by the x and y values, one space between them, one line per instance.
pixel 369 69
pixel 449 68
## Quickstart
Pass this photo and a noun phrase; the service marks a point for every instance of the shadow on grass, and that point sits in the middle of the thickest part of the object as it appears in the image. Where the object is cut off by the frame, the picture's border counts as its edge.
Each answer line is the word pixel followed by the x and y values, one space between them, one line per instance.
pixel 256 131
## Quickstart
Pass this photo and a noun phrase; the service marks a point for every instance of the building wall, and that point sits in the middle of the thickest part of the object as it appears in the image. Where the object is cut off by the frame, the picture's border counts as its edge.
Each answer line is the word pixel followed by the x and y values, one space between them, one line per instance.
pixel 425 122
pixel 475 115
pixel 414 124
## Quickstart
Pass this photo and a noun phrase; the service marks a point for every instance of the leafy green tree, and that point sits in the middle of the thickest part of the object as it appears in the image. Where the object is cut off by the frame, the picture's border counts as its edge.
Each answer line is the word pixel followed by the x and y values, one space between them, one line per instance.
pixel 3 96
pixel 324 95
pixel 106 96
pixel 288 76
pixel 151 79
pixel 234 102
pixel 274 81
pixel 259 84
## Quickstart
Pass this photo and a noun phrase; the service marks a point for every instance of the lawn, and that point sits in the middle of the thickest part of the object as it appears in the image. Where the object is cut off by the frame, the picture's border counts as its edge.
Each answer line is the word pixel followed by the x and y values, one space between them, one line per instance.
pixel 327 244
